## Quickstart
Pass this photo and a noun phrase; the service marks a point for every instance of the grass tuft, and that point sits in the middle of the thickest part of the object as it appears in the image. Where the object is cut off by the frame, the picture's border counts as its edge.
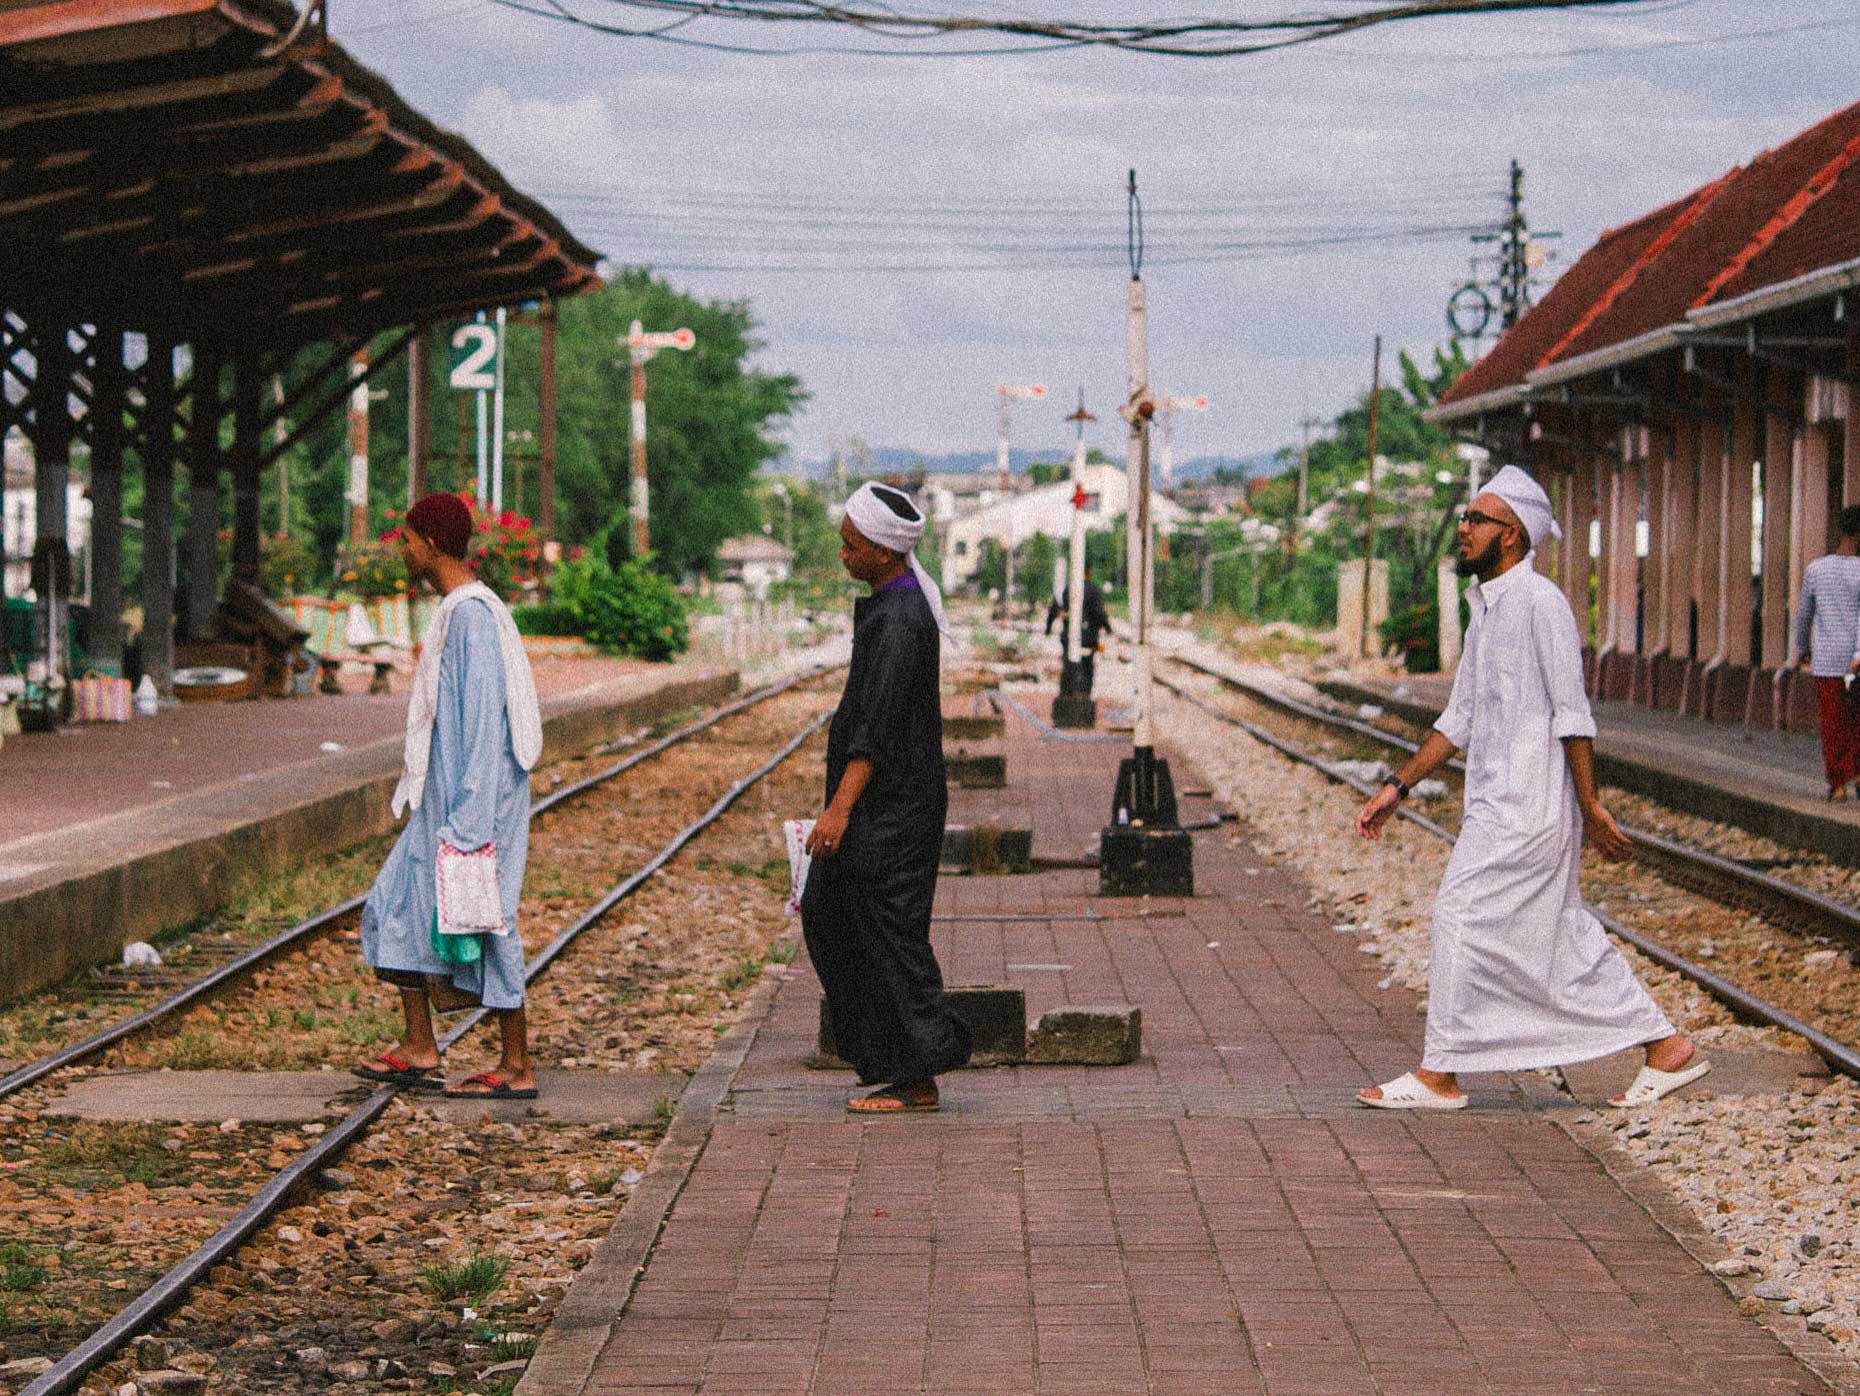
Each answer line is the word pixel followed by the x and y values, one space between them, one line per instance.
pixel 475 1278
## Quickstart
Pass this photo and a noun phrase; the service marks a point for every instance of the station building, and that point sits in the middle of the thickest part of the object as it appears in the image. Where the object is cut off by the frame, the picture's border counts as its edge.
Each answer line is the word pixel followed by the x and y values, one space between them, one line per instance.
pixel 1685 391
pixel 197 196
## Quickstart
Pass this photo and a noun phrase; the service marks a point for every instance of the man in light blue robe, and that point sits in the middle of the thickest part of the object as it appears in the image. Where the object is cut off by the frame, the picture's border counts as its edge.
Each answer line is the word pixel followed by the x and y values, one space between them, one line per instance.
pixel 472 789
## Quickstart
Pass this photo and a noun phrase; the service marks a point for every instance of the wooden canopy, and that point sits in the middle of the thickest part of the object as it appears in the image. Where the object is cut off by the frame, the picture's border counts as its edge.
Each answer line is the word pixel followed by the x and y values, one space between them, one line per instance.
pixel 168 165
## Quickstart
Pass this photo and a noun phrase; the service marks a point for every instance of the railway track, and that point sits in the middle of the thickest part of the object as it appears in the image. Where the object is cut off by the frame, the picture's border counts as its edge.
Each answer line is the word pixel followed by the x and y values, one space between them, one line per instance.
pixel 242 963
pixel 1840 1056
pixel 1784 903
pixel 170 1289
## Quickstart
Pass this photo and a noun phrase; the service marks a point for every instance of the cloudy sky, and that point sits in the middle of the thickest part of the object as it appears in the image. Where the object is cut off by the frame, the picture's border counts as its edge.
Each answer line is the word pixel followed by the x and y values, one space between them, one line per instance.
pixel 911 231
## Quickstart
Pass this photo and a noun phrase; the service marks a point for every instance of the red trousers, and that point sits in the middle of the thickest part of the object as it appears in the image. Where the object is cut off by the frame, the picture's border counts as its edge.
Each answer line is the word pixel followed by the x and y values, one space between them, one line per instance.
pixel 1840 730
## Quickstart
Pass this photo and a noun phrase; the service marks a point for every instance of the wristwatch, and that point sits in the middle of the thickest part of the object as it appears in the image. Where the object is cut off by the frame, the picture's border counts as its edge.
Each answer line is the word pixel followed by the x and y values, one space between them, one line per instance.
pixel 1401 786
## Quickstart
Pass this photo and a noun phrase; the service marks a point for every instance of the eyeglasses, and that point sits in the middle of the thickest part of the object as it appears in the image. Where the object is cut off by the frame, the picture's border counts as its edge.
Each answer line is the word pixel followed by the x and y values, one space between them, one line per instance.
pixel 1472 518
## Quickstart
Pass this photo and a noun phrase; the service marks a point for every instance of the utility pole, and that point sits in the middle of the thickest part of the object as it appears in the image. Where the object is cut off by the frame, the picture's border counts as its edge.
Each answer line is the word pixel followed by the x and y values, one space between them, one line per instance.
pixel 1007 393
pixel 357 493
pixel 1470 309
pixel 1143 850
pixel 1369 497
pixel 640 349
pixel 1305 424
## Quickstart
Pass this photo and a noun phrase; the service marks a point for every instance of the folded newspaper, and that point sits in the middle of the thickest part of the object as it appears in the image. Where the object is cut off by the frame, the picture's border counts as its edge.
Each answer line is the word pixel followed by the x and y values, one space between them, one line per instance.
pixel 797 831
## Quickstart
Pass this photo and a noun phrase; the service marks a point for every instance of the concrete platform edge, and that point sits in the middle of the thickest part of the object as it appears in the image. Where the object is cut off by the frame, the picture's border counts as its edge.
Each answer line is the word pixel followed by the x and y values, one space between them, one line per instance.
pixel 1831 837
pixel 1671 1214
pixel 571 1345
pixel 51 932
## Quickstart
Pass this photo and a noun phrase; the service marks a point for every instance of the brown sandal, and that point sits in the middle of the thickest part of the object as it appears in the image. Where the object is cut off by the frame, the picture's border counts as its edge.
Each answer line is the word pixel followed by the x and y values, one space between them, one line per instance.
pixel 891 1101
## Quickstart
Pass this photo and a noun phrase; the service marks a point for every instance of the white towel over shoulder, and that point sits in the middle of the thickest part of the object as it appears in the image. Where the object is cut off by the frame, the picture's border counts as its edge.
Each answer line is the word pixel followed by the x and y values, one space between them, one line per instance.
pixel 519 693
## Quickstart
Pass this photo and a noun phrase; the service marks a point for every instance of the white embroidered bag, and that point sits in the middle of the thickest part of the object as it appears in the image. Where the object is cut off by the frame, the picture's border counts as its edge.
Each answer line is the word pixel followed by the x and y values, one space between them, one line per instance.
pixel 469 902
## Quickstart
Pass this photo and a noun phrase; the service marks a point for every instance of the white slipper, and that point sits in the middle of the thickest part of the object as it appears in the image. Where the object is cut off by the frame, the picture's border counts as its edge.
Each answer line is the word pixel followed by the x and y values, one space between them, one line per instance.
pixel 1406 1092
pixel 1651 1085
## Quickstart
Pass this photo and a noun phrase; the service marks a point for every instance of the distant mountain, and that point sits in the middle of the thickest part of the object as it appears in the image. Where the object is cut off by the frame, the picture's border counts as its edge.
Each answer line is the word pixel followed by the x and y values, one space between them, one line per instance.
pixel 890 460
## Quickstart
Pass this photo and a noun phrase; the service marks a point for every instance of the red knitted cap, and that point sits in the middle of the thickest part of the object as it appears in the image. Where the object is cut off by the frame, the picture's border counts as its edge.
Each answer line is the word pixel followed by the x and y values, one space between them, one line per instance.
pixel 444 520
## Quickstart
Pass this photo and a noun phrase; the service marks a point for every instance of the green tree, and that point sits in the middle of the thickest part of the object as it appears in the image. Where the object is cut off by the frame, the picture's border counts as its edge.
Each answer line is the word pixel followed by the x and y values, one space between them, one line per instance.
pixel 707 417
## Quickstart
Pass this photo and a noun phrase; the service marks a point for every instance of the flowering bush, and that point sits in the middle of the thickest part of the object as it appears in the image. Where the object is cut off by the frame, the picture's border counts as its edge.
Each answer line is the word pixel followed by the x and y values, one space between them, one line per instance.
pixel 630 609
pixel 286 565
pixel 505 550
pixel 372 570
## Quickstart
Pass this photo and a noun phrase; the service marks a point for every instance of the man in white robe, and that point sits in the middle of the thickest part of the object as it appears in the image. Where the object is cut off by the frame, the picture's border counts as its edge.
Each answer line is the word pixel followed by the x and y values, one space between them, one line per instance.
pixel 1521 972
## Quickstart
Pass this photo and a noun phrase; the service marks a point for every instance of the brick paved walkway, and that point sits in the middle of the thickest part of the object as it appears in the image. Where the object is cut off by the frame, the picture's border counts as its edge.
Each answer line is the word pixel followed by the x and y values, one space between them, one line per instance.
pixel 1217 1218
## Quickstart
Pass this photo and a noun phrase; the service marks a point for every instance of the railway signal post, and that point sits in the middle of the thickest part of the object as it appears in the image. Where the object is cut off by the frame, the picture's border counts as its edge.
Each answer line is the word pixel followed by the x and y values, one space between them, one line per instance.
pixel 1144 849
pixel 1074 706
pixel 640 349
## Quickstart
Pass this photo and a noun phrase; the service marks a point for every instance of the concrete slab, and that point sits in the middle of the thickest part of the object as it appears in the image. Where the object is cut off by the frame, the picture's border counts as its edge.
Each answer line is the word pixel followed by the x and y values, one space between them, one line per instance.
pixel 284 1097
pixel 1735 1071
pixel 575 1098
pixel 204 1096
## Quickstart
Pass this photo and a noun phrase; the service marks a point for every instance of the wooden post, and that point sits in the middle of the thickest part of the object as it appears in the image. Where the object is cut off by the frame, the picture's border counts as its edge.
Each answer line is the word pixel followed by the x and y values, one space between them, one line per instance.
pixel 1707 539
pixel 106 499
pixel 1740 468
pixel 158 517
pixel 245 468
pixel 52 433
pixel 202 562
pixel 1581 509
pixel 1654 578
pixel 1850 426
pixel 419 413
pixel 1782 391
pixel 1682 523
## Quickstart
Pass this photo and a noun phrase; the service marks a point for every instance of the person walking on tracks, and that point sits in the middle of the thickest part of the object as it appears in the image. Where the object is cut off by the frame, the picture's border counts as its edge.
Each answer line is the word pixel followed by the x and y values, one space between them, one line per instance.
pixel 1827 627
pixel 865 911
pixel 1521 973
pixel 1093 622
pixel 440 923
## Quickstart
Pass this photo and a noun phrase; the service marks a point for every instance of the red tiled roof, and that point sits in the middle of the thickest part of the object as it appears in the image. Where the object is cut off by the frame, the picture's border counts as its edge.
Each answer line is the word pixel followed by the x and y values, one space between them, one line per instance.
pixel 1733 222
pixel 1527 344
pixel 1824 233
pixel 1791 211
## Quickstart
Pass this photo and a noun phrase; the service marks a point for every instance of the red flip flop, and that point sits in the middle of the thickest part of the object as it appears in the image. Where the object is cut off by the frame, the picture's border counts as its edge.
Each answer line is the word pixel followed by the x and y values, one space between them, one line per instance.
pixel 399 1073
pixel 498 1089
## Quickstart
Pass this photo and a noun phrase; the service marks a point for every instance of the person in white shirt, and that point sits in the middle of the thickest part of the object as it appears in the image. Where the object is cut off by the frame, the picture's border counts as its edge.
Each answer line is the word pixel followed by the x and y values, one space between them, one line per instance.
pixel 1521 973
pixel 1827 625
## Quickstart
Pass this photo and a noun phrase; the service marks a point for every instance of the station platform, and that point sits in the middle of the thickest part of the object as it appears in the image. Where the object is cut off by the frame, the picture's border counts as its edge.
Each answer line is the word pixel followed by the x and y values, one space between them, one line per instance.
pixel 1757 778
pixel 1218 1217
pixel 117 832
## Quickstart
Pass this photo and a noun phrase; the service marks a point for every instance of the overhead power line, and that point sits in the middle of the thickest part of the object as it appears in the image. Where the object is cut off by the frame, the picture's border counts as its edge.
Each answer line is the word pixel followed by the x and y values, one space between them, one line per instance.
pixel 896 32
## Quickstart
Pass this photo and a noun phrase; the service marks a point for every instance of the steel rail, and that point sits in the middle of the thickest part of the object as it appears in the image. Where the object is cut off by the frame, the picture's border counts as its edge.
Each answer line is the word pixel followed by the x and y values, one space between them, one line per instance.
pixel 26 1075
pixel 1838 1055
pixel 166 1292
pixel 1678 861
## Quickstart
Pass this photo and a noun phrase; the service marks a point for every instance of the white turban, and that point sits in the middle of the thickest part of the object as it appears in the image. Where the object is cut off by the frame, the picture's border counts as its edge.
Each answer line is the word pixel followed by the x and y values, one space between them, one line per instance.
pixel 1527 500
pixel 879 523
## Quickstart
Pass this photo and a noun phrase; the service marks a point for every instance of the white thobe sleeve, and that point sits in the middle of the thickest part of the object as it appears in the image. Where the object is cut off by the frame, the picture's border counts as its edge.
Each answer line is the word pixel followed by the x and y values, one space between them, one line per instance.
pixel 1559 659
pixel 1455 724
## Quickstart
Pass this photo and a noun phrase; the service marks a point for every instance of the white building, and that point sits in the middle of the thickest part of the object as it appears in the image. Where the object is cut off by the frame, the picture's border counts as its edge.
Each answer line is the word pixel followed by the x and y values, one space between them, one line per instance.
pixel 757 562
pixel 1043 509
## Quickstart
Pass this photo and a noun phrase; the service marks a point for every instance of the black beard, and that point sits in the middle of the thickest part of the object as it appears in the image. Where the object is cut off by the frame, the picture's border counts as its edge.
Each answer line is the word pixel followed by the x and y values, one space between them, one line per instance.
pixel 1481 562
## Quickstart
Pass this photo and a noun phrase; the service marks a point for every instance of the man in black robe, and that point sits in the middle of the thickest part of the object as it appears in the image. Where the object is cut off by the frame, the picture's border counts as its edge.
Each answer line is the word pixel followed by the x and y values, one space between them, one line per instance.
pixel 865 911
